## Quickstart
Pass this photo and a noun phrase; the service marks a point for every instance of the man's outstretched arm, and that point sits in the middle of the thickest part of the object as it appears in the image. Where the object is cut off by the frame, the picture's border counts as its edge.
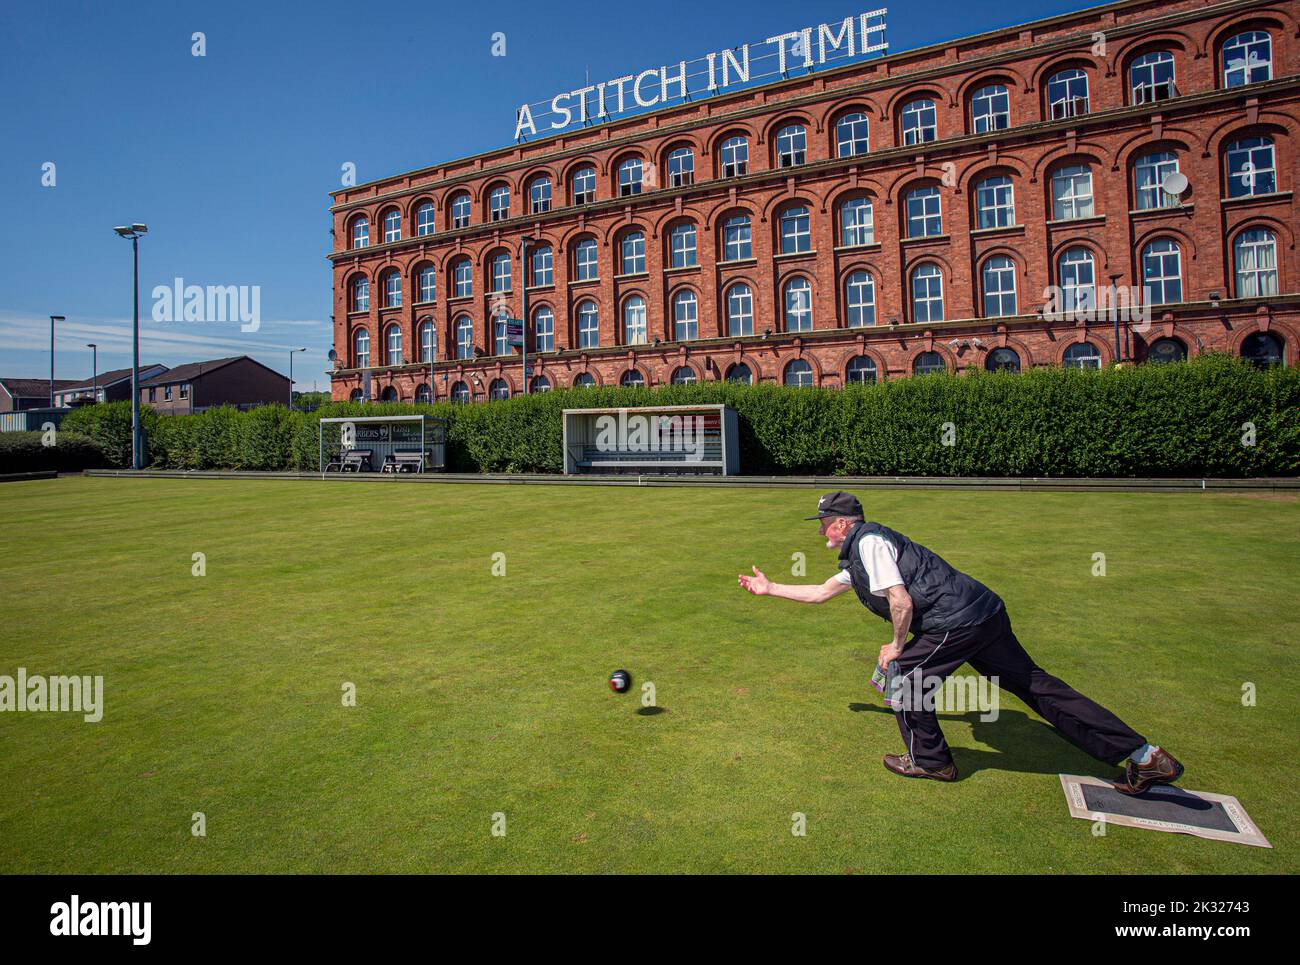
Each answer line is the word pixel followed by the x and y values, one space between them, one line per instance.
pixel 760 585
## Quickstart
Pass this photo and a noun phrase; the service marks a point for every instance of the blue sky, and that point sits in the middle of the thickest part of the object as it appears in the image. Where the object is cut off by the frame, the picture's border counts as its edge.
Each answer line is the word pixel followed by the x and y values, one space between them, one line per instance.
pixel 229 158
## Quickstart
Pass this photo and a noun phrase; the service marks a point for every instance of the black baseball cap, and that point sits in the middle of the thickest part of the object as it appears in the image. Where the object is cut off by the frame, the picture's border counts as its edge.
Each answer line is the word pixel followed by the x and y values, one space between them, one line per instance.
pixel 838 504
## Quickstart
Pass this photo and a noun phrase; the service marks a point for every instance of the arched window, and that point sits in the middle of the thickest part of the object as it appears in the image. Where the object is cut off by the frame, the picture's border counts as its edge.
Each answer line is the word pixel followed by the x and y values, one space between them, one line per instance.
pixel 629 177
pixel 632 379
pixel 736 239
pixel 460 393
pixel 861 368
pixel 990 109
pixel 634 322
pixel 389 394
pixel 393 289
pixel 426 284
pixel 740 373
pixel 733 157
pixel 499 203
pixel 681 245
pixel 1072 192
pixel 796 232
pixel 684 375
pixel 424 220
pixel 588 325
pixel 360 232
pixel 543 330
pixel 1151 78
pixel 584 260
pixel 857 222
pixel 1247 59
pixel 998 278
pixel 798 373
pixel 791 146
pixel 539 195
pixel 1162 272
pixel 860 299
pixel 740 310
pixel 632 254
pixel 584 380
pixel 681 167
pixel 462 273
pixel 361 349
pixel 501 272
pixel 995 203
pixel 1255 257
pixel 1150 173
pixel 929 363
pixel 1002 360
pixel 927 293
pixel 851 135
pixel 498 390
pixel 1262 349
pixel 1067 94
pixel 1078 281
pixel 392 225
pixel 1251 167
pixel 360 294
pixel 686 313
pixel 355 396
pixel 422 394
pixel 501 334
pixel 1165 350
pixel 1082 355
pixel 918 121
pixel 541 384
pixel 393 345
pixel 464 338
pixel 460 210
pixel 543 265
pixel 428 341
pixel 582 186
pixel 798 305
pixel 924 213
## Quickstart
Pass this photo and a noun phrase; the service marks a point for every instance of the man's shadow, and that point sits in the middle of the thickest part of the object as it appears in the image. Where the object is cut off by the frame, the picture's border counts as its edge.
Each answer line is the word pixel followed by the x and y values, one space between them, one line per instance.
pixel 1021 743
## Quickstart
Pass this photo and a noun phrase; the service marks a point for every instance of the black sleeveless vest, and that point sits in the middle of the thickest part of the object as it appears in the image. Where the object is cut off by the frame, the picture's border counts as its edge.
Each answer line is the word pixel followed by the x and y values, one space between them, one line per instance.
pixel 943 598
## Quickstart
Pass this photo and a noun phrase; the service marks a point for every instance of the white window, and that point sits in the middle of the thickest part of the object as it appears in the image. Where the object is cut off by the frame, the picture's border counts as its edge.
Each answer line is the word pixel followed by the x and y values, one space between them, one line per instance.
pixel 392 290
pixel 796 233
pixel 460 209
pixel 539 195
pixel 588 325
pixel 1247 59
pixel 499 203
pixel 681 246
pixel 1162 273
pixel 500 335
pixel 684 375
pixel 501 272
pixel 1072 192
pixel 927 293
pixel 361 232
pixel 1067 94
pixel 584 186
pixel 632 379
pixel 918 121
pixel 929 363
pixel 394 340
pixel 990 109
pixel 924 218
pixel 634 323
pixel 428 342
pixel 736 244
pixel 999 280
pixel 685 316
pixel 584 260
pixel 460 393
pixel 427 279
pixel 424 219
pixel 861 368
pixel 464 338
pixel 1255 256
pixel 629 177
pixel 851 135
pixel 734 155
pixel 740 310
pixel 543 265
pixel 499 390
pixel 791 146
pixel 463 273
pixel 361 350
pixel 1151 78
pixel 681 167
pixel 543 330
pixel 860 299
pixel 1082 355
pixel 1251 167
pixel 1149 174
pixel 361 294
pixel 857 226
pixel 995 205
pixel 798 305
pixel 632 254
pixel 392 225
pixel 798 373
pixel 1078 281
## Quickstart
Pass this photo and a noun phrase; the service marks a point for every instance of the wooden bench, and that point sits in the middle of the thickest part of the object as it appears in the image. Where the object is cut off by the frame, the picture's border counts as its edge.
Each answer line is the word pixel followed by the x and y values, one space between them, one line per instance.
pixel 404 462
pixel 356 460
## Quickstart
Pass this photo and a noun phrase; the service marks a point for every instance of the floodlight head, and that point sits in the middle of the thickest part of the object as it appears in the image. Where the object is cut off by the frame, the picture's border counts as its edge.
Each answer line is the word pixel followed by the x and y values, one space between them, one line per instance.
pixel 140 229
pixel 123 230
pixel 58 318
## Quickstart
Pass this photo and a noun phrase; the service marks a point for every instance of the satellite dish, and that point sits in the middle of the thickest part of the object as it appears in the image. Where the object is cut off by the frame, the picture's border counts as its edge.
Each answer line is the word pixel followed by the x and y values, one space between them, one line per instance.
pixel 1175 183
pixel 333 355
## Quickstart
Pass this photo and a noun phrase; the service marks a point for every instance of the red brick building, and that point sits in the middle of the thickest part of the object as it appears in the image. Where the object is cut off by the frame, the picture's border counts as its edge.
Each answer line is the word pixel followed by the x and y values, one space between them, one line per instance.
pixel 961 204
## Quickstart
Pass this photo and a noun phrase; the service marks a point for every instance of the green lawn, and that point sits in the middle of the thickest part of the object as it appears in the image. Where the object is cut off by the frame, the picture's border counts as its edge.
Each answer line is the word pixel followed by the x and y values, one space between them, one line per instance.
pixel 479 694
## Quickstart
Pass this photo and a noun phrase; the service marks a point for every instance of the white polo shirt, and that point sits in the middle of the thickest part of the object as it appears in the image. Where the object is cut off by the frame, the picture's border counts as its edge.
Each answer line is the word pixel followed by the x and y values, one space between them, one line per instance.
pixel 880 560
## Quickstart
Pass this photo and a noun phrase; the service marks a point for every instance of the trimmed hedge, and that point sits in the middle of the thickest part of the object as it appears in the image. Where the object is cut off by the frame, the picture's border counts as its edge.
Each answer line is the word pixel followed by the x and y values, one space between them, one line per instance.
pixel 1152 420
pixel 72 452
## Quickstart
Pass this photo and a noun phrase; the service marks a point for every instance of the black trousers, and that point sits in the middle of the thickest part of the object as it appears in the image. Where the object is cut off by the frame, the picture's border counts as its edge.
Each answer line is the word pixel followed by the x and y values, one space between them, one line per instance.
pixel 993 650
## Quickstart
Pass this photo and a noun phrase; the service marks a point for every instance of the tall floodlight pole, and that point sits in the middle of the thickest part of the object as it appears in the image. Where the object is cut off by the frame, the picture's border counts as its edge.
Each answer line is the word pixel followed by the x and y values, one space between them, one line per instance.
pixel 94 371
pixel 53 319
pixel 524 242
pixel 134 231
pixel 292 353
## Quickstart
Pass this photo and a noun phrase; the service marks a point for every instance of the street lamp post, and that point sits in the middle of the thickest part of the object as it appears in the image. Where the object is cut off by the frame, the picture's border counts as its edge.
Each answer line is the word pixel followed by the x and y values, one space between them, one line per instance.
pixel 292 353
pixel 53 319
pixel 134 231
pixel 524 242
pixel 94 371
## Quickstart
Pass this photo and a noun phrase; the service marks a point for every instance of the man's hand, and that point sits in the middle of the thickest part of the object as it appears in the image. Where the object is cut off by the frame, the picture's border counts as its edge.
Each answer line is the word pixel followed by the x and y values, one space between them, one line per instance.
pixel 888 653
pixel 758 584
